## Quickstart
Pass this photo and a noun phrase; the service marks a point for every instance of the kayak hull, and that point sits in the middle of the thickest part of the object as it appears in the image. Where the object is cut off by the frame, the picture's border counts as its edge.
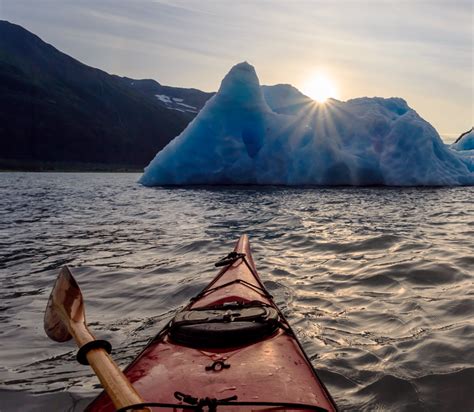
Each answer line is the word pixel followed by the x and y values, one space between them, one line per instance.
pixel 273 369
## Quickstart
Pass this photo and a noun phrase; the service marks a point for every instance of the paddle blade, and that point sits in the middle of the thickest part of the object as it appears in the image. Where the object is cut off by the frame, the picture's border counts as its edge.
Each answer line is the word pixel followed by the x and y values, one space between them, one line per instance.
pixel 65 305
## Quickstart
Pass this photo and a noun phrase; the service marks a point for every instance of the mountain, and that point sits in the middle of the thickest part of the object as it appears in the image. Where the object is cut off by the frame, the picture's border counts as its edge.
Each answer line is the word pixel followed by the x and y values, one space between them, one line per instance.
pixel 56 112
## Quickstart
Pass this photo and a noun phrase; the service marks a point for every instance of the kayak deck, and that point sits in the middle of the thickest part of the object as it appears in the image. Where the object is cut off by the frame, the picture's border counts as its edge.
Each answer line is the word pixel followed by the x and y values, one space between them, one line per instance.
pixel 271 373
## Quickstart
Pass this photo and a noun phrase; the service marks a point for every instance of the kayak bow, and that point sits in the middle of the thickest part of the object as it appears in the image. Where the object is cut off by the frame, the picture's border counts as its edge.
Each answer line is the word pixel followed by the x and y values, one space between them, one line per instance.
pixel 230 349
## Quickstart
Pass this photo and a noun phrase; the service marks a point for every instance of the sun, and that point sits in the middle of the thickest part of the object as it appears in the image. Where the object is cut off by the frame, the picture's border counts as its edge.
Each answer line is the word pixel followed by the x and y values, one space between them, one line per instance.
pixel 320 87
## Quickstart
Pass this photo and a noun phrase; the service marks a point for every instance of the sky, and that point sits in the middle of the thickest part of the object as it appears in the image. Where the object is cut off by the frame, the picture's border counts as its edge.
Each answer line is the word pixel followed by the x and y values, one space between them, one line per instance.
pixel 419 50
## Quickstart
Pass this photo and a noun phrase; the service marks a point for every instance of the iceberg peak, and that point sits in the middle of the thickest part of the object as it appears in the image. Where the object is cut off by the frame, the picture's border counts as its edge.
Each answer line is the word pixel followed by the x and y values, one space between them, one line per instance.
pixel 241 87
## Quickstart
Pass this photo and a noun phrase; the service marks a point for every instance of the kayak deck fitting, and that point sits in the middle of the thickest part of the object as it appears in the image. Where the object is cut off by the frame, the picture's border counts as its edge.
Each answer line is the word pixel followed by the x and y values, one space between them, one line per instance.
pixel 229 349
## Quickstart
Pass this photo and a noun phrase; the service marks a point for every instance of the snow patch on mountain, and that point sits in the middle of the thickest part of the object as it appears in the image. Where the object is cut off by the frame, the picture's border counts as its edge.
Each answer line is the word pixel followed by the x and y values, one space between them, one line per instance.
pixel 174 103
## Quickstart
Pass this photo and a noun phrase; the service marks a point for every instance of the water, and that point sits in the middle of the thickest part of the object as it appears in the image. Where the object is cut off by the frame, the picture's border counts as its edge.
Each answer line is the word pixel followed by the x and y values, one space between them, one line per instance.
pixel 377 282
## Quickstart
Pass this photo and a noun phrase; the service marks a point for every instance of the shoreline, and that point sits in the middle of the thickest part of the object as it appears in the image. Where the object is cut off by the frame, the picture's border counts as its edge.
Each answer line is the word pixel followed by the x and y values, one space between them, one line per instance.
pixel 70 171
pixel 13 165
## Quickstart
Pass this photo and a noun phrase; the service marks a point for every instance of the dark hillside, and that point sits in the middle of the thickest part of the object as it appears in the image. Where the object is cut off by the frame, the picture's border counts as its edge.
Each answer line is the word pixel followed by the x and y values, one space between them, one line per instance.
pixel 55 109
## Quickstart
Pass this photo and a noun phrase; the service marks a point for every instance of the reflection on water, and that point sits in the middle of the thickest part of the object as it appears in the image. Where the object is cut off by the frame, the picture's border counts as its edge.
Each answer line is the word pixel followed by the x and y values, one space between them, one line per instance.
pixel 377 282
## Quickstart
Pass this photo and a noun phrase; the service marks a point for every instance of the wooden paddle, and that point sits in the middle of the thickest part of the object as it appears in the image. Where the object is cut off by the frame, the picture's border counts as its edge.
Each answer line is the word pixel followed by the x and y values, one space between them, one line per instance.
pixel 65 318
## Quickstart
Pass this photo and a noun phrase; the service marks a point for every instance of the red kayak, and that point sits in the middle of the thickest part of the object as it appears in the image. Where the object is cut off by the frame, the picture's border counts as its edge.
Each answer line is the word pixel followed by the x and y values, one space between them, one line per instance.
pixel 229 349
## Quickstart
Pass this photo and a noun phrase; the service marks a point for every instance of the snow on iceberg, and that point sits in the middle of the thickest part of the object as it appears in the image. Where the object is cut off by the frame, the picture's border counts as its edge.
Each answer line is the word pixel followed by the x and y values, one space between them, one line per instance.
pixel 247 134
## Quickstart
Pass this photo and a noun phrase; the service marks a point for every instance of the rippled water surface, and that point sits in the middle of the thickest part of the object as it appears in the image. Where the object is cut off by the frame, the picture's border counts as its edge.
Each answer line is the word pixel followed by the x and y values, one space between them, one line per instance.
pixel 377 282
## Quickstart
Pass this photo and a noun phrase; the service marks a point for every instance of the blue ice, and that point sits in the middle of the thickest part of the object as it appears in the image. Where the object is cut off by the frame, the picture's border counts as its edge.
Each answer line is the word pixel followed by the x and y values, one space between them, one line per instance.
pixel 248 134
pixel 466 142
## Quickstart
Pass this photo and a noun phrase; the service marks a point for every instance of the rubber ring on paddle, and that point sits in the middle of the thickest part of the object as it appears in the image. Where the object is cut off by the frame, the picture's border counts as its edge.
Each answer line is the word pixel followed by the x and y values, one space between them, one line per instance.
pixel 94 344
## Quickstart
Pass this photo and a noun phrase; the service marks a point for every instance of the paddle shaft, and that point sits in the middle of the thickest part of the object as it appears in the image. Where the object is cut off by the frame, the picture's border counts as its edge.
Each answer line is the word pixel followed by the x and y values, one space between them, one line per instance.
pixel 115 383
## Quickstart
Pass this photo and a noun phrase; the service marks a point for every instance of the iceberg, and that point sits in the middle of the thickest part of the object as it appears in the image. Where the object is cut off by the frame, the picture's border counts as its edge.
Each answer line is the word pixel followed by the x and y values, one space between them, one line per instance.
pixel 252 134
pixel 465 141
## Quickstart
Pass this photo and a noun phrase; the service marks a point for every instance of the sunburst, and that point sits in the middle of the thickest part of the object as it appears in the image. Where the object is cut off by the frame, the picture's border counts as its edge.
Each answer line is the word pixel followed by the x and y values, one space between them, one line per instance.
pixel 320 87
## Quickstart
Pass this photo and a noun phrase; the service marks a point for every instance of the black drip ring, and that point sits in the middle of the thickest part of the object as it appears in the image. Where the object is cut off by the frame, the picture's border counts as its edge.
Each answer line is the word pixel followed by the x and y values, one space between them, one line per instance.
pixel 93 344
